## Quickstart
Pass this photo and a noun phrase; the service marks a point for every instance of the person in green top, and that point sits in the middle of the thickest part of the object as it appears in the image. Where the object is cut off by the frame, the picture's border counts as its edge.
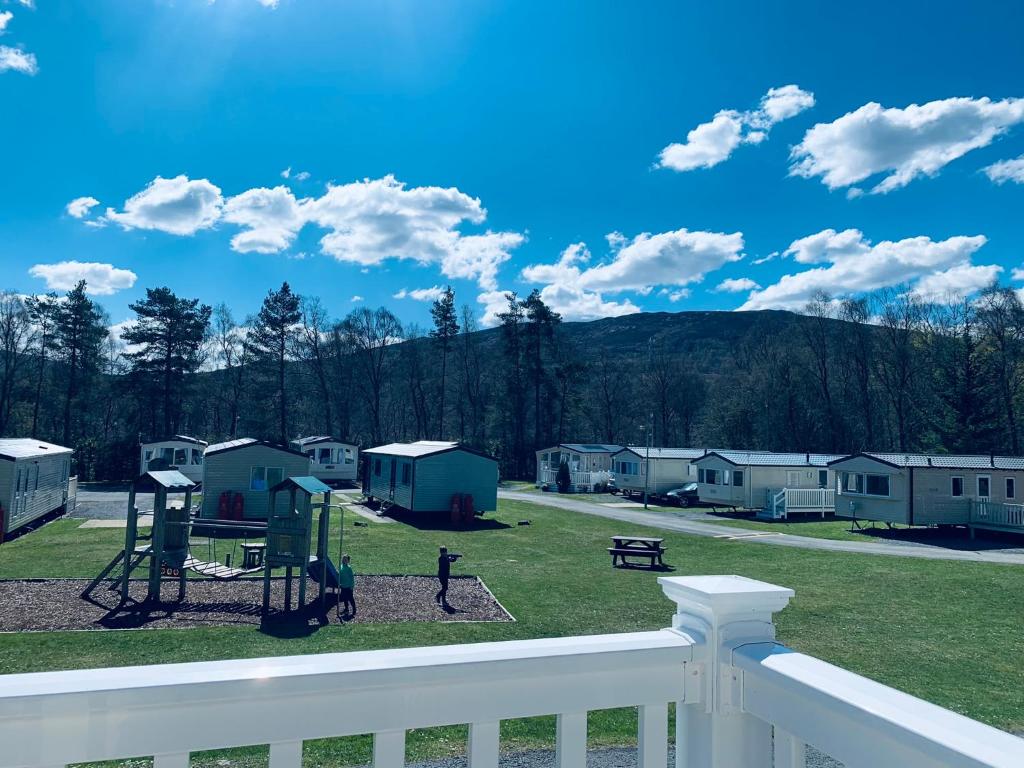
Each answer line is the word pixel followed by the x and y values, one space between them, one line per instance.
pixel 347 585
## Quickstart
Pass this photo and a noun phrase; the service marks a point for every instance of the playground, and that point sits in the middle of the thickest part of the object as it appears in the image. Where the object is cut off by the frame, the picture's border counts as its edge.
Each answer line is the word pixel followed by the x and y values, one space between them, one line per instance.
pixel 274 573
pixel 45 605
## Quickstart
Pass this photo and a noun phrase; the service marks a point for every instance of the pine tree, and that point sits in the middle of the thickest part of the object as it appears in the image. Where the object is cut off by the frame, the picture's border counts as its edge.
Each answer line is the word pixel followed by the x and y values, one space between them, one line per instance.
pixel 271 341
pixel 42 313
pixel 168 333
pixel 80 329
pixel 446 328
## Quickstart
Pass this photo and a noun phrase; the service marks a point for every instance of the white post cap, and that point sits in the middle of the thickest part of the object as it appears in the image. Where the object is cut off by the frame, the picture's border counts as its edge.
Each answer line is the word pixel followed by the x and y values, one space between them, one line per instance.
pixel 722 599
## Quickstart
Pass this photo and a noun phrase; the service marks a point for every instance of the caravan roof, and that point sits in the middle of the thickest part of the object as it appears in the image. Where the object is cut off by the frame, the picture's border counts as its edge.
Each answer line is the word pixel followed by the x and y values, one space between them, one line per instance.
pixel 13 448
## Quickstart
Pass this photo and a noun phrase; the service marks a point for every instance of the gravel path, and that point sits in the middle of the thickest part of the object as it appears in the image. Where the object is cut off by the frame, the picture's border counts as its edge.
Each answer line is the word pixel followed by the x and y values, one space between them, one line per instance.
pixel 695 523
pixel 56 605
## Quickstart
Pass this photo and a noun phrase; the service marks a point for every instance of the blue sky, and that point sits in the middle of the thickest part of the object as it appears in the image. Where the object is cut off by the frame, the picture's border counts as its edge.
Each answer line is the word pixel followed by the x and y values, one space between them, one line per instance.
pixel 510 145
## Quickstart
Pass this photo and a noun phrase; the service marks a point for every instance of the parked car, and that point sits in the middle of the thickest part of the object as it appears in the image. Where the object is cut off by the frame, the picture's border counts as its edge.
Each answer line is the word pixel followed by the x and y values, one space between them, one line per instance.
pixel 685 496
pixel 611 486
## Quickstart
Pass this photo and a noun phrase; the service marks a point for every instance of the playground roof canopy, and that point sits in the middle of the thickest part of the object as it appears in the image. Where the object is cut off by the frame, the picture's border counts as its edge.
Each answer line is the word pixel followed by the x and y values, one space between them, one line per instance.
pixel 308 484
pixel 170 479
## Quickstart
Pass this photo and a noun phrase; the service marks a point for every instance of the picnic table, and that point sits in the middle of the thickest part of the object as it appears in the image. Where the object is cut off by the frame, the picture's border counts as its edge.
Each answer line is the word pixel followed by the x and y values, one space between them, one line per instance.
pixel 637 546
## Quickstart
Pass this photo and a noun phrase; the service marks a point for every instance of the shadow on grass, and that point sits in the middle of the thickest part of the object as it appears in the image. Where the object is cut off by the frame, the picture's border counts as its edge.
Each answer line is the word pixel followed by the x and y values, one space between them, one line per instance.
pixel 434 521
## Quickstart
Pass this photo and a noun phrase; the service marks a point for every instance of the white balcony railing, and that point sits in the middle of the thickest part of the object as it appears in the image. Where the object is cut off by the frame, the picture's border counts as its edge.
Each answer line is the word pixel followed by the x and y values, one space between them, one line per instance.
pixel 782 503
pixel 996 515
pixel 581 481
pixel 742 700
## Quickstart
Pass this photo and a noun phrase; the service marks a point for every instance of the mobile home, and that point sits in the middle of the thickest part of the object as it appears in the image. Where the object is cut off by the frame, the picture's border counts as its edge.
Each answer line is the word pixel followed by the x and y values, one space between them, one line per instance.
pixel 331 460
pixel 179 452
pixel 656 470
pixel 33 481
pixel 777 484
pixel 425 475
pixel 590 464
pixel 238 474
pixel 922 489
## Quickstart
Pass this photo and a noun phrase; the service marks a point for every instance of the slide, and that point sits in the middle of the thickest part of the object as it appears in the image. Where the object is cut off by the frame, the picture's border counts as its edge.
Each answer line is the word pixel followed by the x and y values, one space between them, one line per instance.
pixel 314 568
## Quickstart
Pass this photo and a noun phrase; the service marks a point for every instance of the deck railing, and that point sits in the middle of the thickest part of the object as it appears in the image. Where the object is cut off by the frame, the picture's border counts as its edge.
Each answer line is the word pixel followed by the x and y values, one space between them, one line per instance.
pixel 581 481
pixel 783 502
pixel 996 515
pixel 741 699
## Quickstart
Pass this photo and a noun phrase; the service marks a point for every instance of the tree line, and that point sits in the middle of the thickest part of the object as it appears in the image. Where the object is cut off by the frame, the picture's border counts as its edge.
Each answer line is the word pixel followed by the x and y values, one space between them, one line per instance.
pixel 888 372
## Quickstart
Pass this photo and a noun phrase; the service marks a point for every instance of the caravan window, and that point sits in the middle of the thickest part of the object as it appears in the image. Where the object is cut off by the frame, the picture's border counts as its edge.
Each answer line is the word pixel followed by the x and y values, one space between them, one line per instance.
pixel 325 456
pixel 197 456
pixel 348 456
pixel 984 486
pixel 180 456
pixel 737 478
pixel 823 478
pixel 876 485
pixel 712 476
pixel 264 478
pixel 956 487
pixel 149 454
pixel 1011 488
pixel 853 483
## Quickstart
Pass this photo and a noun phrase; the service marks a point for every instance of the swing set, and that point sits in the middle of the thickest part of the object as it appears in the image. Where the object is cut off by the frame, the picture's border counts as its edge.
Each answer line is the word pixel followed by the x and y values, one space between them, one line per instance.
pixel 169 550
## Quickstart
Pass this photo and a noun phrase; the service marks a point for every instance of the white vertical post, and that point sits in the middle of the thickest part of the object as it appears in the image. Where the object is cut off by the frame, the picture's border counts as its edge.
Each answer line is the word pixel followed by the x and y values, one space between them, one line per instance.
pixel 285 754
pixel 652 738
pixel 389 749
pixel 790 752
pixel 722 613
pixel 571 740
pixel 484 741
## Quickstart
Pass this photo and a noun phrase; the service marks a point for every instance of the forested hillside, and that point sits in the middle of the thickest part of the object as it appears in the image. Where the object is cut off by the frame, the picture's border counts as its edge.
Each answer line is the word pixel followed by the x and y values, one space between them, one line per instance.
pixel 888 372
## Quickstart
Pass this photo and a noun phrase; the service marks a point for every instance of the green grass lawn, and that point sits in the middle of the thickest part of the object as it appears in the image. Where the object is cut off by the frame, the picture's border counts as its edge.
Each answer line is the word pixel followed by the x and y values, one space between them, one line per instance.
pixel 814 527
pixel 949 632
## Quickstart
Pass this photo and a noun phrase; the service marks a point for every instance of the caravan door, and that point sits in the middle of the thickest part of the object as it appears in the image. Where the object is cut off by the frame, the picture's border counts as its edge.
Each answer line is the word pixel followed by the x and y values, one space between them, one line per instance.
pixel 391 491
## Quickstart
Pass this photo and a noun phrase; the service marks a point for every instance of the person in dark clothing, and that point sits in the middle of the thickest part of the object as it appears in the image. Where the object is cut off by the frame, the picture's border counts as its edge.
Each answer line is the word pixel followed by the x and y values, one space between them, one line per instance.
pixel 444 569
pixel 347 586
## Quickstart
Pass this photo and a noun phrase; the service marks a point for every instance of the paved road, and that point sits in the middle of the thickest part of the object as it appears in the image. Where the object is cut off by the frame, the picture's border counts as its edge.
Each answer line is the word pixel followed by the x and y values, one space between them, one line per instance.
pixel 696 523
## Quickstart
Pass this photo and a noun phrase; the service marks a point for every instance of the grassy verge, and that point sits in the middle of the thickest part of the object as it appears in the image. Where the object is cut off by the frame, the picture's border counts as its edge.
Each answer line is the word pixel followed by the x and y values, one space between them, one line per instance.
pixel 926 627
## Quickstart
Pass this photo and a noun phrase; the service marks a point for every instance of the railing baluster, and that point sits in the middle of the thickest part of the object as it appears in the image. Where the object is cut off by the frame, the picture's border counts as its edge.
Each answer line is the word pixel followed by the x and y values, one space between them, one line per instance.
pixel 285 754
pixel 389 749
pixel 175 760
pixel 571 740
pixel 484 741
pixel 790 752
pixel 652 739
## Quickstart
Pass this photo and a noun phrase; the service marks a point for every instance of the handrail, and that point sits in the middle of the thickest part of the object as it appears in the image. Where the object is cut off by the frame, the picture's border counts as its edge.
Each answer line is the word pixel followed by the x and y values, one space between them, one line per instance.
pixel 56 718
pixel 860 722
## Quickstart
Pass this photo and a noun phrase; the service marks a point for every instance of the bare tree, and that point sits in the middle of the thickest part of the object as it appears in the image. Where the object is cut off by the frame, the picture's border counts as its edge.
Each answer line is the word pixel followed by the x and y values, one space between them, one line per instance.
pixel 15 340
pixel 1001 315
pixel 369 333
pixel 230 355
pixel 313 349
pixel 900 320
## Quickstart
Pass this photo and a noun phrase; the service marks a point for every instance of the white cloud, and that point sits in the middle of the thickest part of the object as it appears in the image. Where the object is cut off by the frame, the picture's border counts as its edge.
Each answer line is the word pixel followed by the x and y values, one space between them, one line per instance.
pixel 367 222
pixel 101 279
pixel 711 143
pixel 5 18
pixel 116 335
pixel 676 296
pixel 374 220
pixel 272 217
pixel 302 176
pixel 16 60
pixel 736 285
pixel 421 294
pixel 79 207
pixel 571 302
pixel 961 280
pixel 676 258
pixel 178 206
pixel 1006 170
pixel 918 140
pixel 356 299
pixel 853 265
pixel 286 173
